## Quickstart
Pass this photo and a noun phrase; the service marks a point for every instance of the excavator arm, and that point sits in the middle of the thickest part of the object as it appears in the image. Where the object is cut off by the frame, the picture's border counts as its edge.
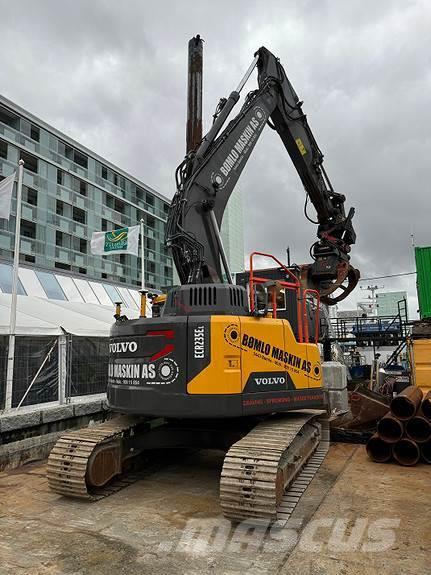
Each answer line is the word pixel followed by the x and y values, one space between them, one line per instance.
pixel 207 177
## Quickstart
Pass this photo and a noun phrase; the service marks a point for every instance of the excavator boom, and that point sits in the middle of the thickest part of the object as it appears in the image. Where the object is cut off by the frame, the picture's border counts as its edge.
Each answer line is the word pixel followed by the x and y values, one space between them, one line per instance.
pixel 207 177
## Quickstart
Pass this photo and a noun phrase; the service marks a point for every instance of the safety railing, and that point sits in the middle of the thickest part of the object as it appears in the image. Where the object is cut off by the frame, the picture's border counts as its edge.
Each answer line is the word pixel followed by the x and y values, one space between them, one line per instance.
pixel 301 296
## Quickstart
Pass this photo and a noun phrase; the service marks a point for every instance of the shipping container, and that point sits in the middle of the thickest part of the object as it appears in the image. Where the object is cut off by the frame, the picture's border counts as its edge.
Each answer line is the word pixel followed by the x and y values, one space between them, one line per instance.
pixel 423 280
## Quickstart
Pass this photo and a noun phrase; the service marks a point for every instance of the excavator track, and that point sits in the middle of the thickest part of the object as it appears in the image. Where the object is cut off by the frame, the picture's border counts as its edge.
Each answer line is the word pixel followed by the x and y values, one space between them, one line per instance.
pixel 266 472
pixel 88 463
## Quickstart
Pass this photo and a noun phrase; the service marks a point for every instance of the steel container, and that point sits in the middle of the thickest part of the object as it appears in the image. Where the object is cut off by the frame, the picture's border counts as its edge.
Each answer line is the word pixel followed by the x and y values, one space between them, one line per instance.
pixel 423 280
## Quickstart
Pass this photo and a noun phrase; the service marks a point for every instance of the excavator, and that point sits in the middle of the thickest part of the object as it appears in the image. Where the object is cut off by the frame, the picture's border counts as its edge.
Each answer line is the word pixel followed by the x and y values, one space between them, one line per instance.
pixel 220 365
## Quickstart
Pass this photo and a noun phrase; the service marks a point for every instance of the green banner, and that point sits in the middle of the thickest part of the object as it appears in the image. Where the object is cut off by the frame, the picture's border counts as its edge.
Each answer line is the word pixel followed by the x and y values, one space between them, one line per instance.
pixel 116 240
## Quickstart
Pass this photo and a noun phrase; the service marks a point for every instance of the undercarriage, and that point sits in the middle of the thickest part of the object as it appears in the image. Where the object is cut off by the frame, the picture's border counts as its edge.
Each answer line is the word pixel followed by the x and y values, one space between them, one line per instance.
pixel 269 460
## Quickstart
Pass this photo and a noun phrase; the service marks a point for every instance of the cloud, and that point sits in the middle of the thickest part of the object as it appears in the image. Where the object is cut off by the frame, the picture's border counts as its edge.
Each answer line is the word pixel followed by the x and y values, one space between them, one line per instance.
pixel 113 76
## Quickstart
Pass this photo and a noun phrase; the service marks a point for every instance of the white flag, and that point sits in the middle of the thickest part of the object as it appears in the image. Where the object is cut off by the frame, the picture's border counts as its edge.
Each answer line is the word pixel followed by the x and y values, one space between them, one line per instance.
pixel 6 188
pixel 124 241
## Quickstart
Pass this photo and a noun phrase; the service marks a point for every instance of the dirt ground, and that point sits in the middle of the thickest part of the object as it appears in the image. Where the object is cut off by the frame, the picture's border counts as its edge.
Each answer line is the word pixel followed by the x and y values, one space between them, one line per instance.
pixel 356 517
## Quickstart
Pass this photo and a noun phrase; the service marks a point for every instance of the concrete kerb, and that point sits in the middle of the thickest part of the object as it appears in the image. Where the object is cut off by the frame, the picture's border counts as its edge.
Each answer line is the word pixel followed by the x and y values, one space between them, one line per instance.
pixel 48 414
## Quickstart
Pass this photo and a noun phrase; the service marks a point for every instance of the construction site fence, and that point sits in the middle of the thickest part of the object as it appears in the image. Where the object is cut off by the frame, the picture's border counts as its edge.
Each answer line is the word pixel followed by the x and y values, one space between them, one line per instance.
pixel 53 368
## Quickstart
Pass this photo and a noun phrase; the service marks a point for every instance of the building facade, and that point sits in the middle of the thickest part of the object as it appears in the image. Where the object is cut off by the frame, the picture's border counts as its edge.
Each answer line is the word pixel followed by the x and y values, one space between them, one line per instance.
pixel 232 232
pixel 70 192
pixel 387 302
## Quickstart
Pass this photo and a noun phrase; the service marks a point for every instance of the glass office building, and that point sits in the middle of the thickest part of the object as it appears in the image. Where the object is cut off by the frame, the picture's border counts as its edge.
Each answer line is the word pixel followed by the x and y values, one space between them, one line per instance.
pixel 232 232
pixel 387 302
pixel 70 192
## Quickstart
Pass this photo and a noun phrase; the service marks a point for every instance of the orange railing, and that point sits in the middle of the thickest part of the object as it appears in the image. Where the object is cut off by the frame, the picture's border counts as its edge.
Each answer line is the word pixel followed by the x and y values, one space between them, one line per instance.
pixel 295 285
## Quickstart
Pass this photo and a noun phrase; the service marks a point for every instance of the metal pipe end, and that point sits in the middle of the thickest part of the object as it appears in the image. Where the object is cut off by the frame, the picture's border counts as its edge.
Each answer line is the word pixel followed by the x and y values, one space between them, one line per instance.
pixel 426 406
pixel 390 429
pixel 406 403
pixel 418 429
pixel 426 451
pixel 379 450
pixel 406 452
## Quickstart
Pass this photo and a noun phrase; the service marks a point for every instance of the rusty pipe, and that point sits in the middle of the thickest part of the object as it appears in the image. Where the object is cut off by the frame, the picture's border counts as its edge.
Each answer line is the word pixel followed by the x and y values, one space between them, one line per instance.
pixel 426 451
pixel 418 428
pixel 379 450
pixel 194 94
pixel 426 406
pixel 390 428
pixel 406 403
pixel 406 452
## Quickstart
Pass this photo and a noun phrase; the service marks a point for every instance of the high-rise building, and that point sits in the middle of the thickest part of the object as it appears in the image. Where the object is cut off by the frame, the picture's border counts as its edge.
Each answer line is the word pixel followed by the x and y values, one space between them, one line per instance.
pixel 232 232
pixel 387 302
pixel 69 192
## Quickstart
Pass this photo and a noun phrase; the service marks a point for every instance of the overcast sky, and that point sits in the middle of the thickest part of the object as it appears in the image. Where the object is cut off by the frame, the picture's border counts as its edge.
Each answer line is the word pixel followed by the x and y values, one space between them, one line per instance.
pixel 112 75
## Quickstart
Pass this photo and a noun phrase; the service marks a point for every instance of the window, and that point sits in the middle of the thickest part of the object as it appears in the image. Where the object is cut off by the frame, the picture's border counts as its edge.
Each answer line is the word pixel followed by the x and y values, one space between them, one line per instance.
pixel 60 177
pixel 3 149
pixel 150 199
pixel 101 294
pixel 29 195
pixel 30 259
pixel 63 240
pixel 34 133
pixel 104 225
pixel 166 208
pixel 9 118
pixel 119 206
pixel 79 186
pixel 30 162
pixel 80 159
pixel 6 280
pixel 65 150
pixel 79 245
pixel 82 271
pixel 115 180
pixel 151 222
pixel 69 288
pixel 78 215
pixel 104 172
pixel 62 266
pixel 139 193
pixel 59 208
pixel 86 290
pixel 115 203
pixel 151 267
pixel 50 285
pixel 150 244
pixel 28 229
pixel 113 293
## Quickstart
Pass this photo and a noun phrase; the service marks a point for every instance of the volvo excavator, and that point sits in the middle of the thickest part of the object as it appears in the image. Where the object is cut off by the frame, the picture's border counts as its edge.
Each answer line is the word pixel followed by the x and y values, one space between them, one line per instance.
pixel 225 366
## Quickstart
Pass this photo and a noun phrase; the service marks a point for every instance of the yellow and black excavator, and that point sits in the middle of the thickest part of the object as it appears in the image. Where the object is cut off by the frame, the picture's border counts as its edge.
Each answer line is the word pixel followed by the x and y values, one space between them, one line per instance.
pixel 224 365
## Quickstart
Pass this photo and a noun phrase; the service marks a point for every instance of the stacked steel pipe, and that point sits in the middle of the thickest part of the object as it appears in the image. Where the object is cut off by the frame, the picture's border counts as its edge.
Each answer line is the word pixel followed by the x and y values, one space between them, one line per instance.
pixel 405 432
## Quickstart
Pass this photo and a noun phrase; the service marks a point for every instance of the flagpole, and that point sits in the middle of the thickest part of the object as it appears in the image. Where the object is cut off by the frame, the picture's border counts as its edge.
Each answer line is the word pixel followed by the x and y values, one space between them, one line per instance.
pixel 12 320
pixel 142 256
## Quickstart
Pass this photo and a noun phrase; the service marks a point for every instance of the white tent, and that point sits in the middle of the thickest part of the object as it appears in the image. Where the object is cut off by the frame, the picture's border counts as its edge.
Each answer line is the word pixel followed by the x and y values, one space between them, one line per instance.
pixel 37 316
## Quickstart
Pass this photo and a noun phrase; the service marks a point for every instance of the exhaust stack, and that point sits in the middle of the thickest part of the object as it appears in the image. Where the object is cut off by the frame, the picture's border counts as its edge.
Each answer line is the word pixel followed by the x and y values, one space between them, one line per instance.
pixel 194 94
